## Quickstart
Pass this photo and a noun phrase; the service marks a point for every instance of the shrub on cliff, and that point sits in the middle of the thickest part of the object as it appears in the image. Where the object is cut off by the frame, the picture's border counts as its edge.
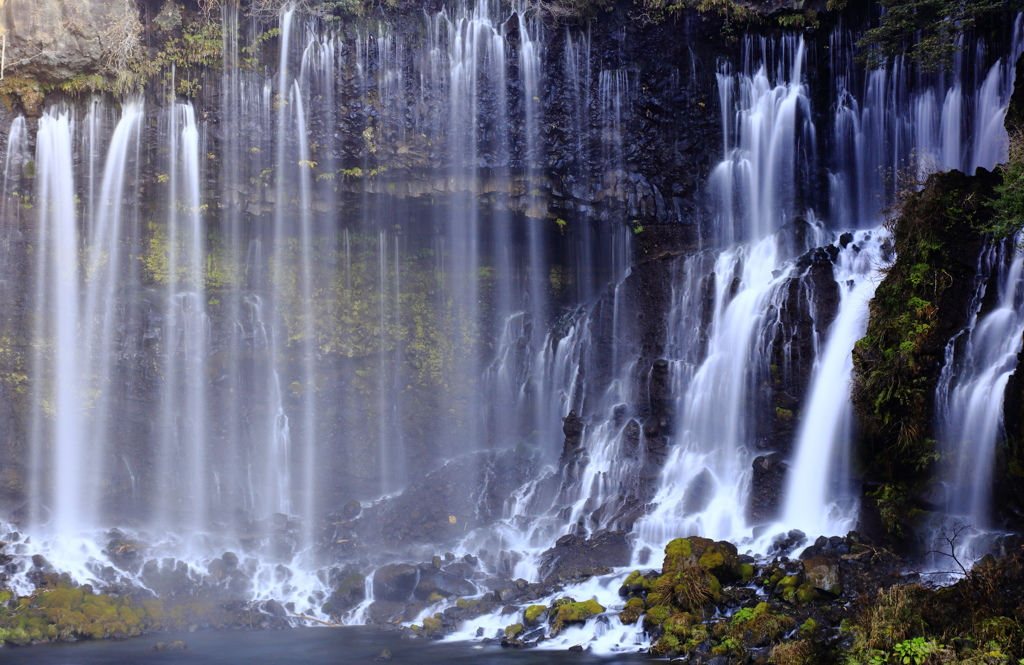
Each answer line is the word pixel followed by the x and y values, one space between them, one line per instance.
pixel 927 32
pixel 918 307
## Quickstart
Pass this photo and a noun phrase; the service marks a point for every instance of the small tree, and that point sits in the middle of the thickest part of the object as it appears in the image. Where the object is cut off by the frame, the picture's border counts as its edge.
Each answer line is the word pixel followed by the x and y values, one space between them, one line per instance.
pixel 927 32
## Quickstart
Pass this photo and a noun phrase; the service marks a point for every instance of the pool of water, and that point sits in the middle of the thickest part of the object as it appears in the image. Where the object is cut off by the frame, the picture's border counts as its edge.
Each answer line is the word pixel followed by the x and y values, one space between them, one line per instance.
pixel 308 646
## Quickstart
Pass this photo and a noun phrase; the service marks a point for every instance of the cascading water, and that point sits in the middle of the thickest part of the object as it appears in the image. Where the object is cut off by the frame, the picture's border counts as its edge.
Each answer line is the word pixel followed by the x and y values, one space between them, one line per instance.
pixel 890 124
pixel 969 401
pixel 820 498
pixel 370 233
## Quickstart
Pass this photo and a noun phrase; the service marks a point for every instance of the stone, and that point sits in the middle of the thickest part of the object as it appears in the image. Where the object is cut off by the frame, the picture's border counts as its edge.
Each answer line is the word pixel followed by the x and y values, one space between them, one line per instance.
pixel 395 582
pixel 824 574
pixel 385 612
pixel 443 583
pixel 766 487
pixel 574 557
pixel 54 40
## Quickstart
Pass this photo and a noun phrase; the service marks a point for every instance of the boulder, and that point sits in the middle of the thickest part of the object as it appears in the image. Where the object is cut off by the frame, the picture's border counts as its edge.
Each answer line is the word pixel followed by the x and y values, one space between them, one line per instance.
pixel 824 574
pixel 766 487
pixel 574 557
pixel 443 583
pixel 395 582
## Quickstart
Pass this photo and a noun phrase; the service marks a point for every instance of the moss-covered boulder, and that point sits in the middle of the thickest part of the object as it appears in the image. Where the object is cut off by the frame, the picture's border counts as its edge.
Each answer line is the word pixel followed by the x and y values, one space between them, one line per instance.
pixel 757 626
pixel 632 612
pixel 718 558
pixel 573 612
pixel 533 614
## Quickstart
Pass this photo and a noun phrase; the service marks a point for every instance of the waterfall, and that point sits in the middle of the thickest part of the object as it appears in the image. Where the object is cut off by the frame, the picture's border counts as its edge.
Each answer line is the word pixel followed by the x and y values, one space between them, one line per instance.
pixel 379 251
pixel 58 285
pixel 768 143
pixel 891 124
pixel 706 478
pixel 969 399
pixel 819 497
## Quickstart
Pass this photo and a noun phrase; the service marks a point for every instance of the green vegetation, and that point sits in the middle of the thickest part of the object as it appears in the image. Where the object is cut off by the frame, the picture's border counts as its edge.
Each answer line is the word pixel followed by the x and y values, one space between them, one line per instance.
pixel 927 32
pixel 60 611
pixel 573 612
pixel 533 613
pixel 919 305
pixel 1009 200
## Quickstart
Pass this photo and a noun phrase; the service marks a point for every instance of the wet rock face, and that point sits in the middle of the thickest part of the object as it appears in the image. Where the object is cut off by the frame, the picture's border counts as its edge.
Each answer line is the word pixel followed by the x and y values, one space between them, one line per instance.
pixel 395 582
pixel 809 305
pixel 824 574
pixel 574 557
pixel 767 485
pixel 441 506
pixel 58 39
pixel 434 582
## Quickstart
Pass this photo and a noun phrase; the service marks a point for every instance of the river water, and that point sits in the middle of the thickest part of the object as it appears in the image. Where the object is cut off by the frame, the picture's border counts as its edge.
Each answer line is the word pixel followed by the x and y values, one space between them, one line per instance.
pixel 308 646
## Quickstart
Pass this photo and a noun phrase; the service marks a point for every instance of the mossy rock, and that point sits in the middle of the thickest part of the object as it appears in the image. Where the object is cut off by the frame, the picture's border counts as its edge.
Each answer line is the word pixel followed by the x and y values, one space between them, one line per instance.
pixel 654 599
pixel 680 624
pixel 68 598
pixel 720 559
pixel 513 631
pixel 678 553
pixel 808 627
pixel 758 626
pixel 533 613
pixel 689 588
pixel 745 572
pixel 568 613
pixel 632 612
pixel 656 616
pixel 636 583
pixel 431 626
pixel 805 593
pixel 667 646
pixel 789 581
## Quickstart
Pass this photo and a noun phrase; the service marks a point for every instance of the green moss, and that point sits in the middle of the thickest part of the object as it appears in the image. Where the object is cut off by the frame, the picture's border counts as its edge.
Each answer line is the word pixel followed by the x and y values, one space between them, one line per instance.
pixel 711 559
pixel 512 632
pixel 431 626
pixel 667 644
pixel 790 581
pixel 675 552
pixel 761 625
pixel 533 613
pixel 783 414
pixel 808 627
pixel 62 597
pixel 680 624
pixel 633 579
pixel 805 593
pixel 632 612
pixel 575 613
pixel 657 615
pixel 745 571
pixel 154 612
pixel 914 311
